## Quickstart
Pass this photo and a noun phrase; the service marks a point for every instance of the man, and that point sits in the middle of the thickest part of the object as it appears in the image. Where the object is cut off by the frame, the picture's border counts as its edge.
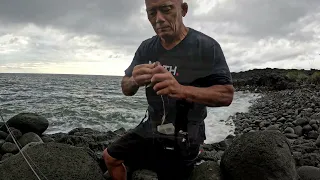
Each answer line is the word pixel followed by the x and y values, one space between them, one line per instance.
pixel 190 74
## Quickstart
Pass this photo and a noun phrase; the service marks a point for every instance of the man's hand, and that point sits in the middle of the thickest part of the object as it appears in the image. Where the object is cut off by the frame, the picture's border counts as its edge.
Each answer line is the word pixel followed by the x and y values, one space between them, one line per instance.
pixel 142 74
pixel 165 83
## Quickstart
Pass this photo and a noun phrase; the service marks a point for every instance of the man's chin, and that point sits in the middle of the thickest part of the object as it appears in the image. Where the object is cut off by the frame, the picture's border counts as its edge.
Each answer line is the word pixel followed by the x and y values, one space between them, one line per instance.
pixel 165 35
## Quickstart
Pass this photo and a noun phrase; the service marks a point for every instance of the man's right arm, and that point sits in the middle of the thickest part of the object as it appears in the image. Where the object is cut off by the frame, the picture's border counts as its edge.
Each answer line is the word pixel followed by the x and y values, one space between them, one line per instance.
pixel 129 87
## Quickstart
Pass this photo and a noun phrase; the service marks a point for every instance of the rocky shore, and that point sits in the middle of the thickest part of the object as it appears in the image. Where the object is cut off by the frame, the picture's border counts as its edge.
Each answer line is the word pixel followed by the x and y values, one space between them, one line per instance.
pixel 278 139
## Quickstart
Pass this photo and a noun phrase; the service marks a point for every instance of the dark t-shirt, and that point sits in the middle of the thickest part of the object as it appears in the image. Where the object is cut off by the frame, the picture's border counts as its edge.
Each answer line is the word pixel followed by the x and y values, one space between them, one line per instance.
pixel 198 61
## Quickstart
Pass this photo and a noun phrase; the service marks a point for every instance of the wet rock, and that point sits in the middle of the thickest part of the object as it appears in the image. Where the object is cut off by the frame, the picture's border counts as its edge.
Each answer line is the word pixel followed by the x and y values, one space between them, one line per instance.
pixel 68 163
pixel 144 175
pixel 207 170
pixel 6 156
pixel 3 135
pixel 309 173
pixel 289 130
pixel 16 134
pixel 9 147
pixel 298 130
pixel 28 138
pixel 28 122
pixel 259 155
pixel 318 141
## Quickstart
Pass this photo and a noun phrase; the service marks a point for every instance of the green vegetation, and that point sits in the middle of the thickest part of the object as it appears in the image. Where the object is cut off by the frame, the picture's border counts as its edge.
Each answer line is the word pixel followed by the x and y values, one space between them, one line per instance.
pixel 297 75
pixel 315 78
pixel 301 76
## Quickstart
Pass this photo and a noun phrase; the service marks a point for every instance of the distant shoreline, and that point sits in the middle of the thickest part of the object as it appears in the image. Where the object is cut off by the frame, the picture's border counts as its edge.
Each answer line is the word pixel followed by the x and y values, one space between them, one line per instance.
pixel 232 72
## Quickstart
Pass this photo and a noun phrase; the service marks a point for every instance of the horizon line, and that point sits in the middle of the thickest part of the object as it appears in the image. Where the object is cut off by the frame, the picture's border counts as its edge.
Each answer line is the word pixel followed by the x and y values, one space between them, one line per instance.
pixel 123 74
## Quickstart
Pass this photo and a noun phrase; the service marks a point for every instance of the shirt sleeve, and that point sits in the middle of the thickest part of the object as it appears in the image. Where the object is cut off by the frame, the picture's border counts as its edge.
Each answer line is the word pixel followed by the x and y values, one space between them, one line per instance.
pixel 137 59
pixel 220 74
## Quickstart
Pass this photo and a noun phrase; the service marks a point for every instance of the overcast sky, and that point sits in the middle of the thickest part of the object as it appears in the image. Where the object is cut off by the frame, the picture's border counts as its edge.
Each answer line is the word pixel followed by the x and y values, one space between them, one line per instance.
pixel 101 36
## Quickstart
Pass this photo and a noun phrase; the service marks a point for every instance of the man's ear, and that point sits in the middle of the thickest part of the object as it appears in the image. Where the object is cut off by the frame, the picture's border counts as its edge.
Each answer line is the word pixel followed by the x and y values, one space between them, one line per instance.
pixel 184 8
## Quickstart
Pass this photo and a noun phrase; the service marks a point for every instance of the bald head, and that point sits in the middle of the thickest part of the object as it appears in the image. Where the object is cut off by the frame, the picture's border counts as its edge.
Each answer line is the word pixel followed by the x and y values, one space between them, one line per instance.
pixel 166 16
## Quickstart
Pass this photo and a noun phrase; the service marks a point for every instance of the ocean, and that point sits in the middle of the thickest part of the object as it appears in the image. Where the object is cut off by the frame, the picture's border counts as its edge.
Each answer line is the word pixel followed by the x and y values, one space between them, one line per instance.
pixel 93 101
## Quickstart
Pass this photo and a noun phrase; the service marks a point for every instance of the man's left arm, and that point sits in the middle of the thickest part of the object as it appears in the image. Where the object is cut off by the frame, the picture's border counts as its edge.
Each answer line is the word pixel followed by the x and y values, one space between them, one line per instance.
pixel 219 89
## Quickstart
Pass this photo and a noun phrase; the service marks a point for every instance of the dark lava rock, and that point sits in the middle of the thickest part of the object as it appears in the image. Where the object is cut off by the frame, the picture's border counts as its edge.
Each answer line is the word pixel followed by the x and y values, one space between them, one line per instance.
pixel 318 141
pixel 144 175
pixel 2 142
pixel 3 135
pixel 264 155
pixel 9 147
pixel 298 130
pixel 291 135
pixel 6 156
pixel 28 122
pixel 28 138
pixel 16 134
pixel 301 122
pixel 206 171
pixel 309 173
pixel 289 130
pixel 55 161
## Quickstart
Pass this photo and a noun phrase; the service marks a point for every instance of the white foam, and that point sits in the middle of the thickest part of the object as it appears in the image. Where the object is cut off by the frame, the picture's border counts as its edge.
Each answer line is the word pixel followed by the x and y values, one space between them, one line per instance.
pixel 217 130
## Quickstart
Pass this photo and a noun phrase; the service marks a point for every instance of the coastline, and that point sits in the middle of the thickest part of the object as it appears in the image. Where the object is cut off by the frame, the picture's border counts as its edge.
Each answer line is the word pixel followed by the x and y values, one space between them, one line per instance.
pixel 289 107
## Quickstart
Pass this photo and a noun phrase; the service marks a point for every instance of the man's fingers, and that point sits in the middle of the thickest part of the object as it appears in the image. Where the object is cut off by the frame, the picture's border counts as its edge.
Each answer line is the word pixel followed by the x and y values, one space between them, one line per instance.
pixel 159 69
pixel 150 66
pixel 164 91
pixel 161 85
pixel 143 71
pixel 144 78
pixel 160 77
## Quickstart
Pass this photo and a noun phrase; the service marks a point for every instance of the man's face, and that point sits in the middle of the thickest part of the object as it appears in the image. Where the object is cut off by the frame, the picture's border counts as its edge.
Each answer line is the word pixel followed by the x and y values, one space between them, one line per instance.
pixel 165 16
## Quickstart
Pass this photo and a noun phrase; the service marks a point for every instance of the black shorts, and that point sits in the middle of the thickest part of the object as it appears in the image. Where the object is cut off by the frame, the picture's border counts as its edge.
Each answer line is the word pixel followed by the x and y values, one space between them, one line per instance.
pixel 151 153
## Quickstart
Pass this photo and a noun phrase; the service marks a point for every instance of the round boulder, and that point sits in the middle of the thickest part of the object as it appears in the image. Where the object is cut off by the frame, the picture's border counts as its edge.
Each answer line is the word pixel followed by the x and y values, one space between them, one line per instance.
pixel 309 173
pixel 9 147
pixel 28 138
pixel 53 161
pixel 28 122
pixel 263 155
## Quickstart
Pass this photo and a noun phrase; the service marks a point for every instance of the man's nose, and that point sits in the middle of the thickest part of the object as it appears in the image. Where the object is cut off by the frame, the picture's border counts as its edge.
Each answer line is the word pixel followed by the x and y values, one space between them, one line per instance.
pixel 159 17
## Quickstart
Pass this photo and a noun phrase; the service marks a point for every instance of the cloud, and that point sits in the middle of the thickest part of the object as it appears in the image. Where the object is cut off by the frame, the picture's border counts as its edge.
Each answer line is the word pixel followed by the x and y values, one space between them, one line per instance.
pixel 101 36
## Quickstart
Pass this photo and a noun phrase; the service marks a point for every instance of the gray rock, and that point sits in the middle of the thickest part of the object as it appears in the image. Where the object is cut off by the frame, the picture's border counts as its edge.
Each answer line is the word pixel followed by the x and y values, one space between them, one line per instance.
pixel 315 127
pixel 306 128
pixel 259 155
pixel 56 161
pixel 318 141
pixel 46 139
pixel 206 171
pixel 15 132
pixel 311 122
pixel 309 173
pixel 9 147
pixel 144 175
pixel 208 155
pixel 273 128
pixel 28 122
pixel 245 125
pixel 6 156
pixel 282 120
pixel 28 138
pixel 29 145
pixel 298 130
pixel 2 142
pixel 291 135
pixel 313 135
pixel 289 130
pixel 301 121
pixel 3 135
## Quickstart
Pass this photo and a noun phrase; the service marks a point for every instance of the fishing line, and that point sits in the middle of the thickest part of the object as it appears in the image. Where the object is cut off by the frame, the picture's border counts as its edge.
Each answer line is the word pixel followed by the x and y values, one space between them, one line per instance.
pixel 18 146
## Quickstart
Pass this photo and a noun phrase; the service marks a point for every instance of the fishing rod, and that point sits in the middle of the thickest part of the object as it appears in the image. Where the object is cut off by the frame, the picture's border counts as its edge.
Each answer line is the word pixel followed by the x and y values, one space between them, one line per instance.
pixel 18 145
